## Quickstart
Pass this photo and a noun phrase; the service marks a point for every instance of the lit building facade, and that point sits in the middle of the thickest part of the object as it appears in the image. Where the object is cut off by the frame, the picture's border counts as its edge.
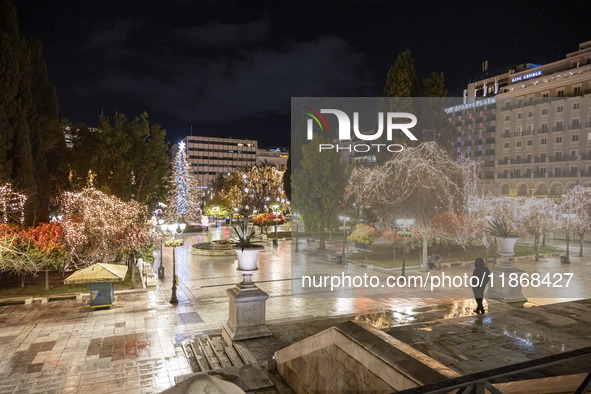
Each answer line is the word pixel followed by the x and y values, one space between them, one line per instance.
pixel 277 157
pixel 211 156
pixel 530 127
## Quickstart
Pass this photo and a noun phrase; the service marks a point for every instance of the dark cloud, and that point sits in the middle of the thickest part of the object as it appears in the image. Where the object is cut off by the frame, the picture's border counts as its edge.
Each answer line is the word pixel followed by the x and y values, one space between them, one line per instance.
pixel 114 34
pixel 219 36
pixel 243 83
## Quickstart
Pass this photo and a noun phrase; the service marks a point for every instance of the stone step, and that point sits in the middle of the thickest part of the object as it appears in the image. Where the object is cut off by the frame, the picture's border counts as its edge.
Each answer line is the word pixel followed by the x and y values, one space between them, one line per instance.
pixel 211 353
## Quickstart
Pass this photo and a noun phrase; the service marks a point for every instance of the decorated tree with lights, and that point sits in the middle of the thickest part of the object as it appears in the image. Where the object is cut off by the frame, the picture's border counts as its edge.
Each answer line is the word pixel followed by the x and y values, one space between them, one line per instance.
pixel 12 205
pixel 578 202
pixel 184 197
pixel 416 183
pixel 536 216
pixel 95 223
pixel 263 188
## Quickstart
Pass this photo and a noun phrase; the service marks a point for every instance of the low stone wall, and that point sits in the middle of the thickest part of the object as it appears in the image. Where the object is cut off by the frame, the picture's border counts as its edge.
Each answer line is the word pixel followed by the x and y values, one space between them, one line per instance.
pixel 355 357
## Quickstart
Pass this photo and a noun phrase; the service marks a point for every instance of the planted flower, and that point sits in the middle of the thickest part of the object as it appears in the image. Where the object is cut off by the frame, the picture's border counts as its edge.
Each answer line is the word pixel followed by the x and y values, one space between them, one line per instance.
pixel 173 243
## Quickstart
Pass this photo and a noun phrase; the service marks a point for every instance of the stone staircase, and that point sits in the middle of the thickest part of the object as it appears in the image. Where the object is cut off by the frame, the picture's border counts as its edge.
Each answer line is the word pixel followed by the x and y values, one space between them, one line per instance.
pixel 210 357
pixel 207 353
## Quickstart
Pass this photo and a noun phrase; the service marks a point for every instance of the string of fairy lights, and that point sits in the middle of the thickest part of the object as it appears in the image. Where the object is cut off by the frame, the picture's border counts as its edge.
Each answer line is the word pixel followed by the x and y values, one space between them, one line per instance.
pixel 12 204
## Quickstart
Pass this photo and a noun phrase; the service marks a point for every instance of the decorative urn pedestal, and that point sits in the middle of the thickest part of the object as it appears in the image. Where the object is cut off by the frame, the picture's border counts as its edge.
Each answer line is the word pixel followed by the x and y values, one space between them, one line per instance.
pixel 502 272
pixel 247 302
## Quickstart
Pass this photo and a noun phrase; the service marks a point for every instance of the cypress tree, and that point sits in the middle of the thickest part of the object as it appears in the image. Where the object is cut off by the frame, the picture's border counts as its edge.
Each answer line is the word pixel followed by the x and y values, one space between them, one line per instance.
pixel 28 118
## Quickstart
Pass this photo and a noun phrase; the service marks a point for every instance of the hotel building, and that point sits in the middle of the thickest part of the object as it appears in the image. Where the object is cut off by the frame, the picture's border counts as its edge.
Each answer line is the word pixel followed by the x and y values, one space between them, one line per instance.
pixel 530 127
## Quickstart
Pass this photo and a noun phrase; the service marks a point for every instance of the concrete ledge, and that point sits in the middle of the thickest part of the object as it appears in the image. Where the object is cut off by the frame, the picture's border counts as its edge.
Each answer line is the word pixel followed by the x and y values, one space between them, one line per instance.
pixel 355 356
pixel 16 301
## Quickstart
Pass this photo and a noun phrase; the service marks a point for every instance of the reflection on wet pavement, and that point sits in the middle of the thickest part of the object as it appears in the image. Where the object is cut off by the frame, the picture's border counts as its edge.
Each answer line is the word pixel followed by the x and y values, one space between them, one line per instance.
pixel 136 345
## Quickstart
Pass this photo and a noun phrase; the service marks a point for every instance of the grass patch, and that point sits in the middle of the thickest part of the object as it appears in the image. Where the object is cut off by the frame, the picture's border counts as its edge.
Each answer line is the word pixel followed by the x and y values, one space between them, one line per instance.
pixel 280 235
pixel 381 254
pixel 38 289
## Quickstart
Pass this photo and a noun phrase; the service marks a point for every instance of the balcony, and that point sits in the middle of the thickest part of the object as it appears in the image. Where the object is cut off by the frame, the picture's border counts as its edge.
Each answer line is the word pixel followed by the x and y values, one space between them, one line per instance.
pixel 527 132
pixel 521 176
pixel 502 176
pixel 542 130
pixel 558 128
pixel 539 174
pixel 557 159
pixel 490 140
pixel 506 135
pixel 503 162
pixel 574 126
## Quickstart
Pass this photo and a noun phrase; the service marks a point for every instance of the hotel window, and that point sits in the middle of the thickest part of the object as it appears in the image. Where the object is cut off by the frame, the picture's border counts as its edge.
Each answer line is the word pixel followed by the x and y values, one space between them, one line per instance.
pixel 574 137
pixel 543 141
pixel 530 114
pixel 519 116
pixel 574 124
pixel 507 118
pixel 518 159
pixel 558 140
pixel 542 157
pixel 544 111
pixel 574 169
pixel 545 95
pixel 560 93
pixel 576 105
pixel 558 155
pixel 530 142
pixel 560 108
pixel 543 170
pixel 557 171
pixel 518 144
pixel 577 91
pixel 506 145
pixel 544 127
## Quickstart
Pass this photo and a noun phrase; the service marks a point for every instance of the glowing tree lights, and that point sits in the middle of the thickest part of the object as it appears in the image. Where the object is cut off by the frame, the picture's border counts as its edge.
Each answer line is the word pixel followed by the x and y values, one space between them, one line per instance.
pixel 418 182
pixel 12 205
pixel 578 203
pixel 94 223
pixel 184 196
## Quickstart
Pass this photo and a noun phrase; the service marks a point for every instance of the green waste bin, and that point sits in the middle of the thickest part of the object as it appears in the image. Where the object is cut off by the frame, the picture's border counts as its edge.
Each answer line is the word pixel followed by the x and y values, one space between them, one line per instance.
pixel 101 294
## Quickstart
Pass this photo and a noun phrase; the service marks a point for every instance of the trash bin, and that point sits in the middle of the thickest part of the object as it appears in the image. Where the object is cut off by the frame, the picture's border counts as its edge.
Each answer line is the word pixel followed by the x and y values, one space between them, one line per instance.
pixel 101 294
pixel 563 259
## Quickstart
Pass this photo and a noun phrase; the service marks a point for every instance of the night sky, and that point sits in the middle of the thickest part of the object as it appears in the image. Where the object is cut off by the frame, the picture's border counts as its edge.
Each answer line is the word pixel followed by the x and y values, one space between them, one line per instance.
pixel 229 68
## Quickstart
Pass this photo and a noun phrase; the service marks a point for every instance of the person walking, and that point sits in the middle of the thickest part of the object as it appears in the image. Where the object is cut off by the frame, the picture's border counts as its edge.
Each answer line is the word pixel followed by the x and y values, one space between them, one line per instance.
pixel 482 273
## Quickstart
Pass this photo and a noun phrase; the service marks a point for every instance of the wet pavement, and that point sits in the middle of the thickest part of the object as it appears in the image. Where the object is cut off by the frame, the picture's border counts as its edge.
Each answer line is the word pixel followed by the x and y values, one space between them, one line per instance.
pixel 136 345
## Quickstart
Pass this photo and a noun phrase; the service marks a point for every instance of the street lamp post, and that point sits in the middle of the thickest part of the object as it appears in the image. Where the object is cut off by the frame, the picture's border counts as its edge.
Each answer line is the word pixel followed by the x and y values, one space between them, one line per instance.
pixel 275 242
pixel 161 267
pixel 568 217
pixel 345 219
pixel 173 229
pixel 405 224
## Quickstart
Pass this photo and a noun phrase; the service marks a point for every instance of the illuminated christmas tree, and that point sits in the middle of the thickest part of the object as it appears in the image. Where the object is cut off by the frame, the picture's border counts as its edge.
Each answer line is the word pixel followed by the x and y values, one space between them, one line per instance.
pixel 184 196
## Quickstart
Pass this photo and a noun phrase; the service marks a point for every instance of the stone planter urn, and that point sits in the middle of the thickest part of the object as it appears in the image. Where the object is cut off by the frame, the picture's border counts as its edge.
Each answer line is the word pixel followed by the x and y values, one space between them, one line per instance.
pixel 506 246
pixel 247 302
pixel 247 259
